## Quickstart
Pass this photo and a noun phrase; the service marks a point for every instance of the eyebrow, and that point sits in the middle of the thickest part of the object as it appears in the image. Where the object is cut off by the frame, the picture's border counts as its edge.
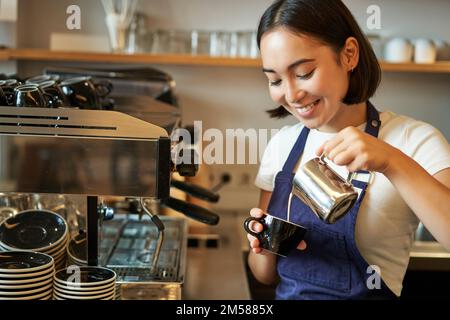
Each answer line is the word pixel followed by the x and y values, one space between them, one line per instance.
pixel 292 65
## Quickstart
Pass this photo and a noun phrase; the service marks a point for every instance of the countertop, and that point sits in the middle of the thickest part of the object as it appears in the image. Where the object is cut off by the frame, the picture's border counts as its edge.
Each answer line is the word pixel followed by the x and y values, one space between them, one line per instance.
pixel 217 273
pixel 429 255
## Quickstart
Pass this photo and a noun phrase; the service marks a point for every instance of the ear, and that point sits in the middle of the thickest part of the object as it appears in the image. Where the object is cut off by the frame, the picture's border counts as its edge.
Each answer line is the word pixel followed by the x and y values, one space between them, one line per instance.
pixel 350 54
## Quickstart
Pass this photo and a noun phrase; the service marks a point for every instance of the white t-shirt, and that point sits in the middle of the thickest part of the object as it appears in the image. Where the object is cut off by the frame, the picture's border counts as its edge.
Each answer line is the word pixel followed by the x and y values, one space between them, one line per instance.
pixel 385 224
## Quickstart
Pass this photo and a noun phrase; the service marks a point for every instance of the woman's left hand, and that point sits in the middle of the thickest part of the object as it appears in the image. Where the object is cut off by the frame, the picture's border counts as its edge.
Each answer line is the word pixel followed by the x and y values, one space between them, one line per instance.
pixel 358 150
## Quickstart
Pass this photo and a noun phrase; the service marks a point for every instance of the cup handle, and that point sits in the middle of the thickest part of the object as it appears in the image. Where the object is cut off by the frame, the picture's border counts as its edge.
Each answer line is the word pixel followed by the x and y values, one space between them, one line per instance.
pixel 10 97
pixel 67 90
pixel 49 100
pixel 103 88
pixel 247 227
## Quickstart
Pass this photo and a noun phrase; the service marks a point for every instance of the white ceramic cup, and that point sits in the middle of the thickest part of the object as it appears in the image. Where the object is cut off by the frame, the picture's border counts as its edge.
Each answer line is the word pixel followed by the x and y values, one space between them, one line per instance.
pixel 442 50
pixel 398 50
pixel 424 51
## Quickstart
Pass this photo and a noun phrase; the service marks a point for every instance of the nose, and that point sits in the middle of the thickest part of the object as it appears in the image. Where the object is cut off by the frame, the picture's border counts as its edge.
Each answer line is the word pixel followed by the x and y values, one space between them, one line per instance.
pixel 294 93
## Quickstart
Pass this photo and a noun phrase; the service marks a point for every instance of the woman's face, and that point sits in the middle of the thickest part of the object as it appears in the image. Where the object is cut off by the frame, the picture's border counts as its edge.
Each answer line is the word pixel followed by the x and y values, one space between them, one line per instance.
pixel 304 77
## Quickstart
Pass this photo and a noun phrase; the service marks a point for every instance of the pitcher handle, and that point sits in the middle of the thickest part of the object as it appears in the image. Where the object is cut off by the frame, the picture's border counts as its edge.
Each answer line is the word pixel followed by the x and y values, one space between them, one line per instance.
pixel 351 176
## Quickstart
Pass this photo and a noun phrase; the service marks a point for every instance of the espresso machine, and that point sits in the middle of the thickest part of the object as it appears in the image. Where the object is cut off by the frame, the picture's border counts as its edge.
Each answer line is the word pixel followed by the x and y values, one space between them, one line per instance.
pixel 119 163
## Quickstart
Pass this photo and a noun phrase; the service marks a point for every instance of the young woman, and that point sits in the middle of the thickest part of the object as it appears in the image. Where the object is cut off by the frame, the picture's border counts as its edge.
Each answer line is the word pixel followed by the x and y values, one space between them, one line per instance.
pixel 322 70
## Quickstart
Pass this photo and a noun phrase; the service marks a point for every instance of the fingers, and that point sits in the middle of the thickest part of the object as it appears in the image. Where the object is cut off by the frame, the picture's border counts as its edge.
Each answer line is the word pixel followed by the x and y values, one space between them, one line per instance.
pixel 256 213
pixel 302 245
pixel 344 158
pixel 328 146
pixel 257 250
pixel 254 244
pixel 343 140
pixel 254 225
pixel 319 151
pixel 336 151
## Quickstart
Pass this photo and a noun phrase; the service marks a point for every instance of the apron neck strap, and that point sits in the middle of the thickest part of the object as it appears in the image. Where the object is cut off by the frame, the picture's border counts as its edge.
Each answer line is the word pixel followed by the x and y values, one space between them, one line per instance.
pixel 373 120
pixel 296 151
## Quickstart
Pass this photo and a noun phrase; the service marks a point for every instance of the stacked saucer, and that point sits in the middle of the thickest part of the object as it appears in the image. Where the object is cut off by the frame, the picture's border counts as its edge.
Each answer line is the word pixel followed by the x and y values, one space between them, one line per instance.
pixel 118 292
pixel 84 283
pixel 77 250
pixel 26 275
pixel 36 230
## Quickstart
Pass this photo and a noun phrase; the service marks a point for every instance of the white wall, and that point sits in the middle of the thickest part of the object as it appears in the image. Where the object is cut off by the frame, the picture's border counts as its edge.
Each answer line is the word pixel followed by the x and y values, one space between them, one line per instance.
pixel 237 97
pixel 8 39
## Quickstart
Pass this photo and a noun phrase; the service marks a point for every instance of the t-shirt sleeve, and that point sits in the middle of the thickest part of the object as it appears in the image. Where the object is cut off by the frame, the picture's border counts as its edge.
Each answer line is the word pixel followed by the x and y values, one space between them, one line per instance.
pixel 428 147
pixel 269 166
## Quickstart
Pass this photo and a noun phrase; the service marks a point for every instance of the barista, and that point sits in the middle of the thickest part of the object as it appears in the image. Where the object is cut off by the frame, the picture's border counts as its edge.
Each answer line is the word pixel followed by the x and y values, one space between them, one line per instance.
pixel 322 70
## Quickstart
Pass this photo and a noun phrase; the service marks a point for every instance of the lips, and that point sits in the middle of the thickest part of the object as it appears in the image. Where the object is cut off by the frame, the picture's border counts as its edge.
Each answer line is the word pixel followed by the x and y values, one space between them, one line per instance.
pixel 304 110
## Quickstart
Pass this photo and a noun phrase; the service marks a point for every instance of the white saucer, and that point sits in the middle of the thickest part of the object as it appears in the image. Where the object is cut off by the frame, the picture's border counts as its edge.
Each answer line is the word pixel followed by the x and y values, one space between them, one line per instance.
pixel 69 297
pixel 83 289
pixel 51 227
pixel 89 276
pixel 83 293
pixel 56 250
pixel 27 286
pixel 37 296
pixel 29 275
pixel 49 297
pixel 28 280
pixel 113 297
pixel 27 292
pixel 24 261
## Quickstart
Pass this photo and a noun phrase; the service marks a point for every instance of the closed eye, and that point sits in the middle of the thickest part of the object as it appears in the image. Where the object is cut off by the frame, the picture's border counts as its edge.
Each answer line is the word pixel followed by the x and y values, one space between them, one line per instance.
pixel 275 83
pixel 306 76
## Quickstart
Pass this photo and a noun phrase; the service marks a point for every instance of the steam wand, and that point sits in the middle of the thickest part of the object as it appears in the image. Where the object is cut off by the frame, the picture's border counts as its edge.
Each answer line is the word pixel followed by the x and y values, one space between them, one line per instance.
pixel 160 227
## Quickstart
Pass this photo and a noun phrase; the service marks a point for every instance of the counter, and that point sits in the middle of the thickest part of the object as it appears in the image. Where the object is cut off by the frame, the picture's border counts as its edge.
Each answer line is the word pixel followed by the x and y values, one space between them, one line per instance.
pixel 215 268
pixel 429 256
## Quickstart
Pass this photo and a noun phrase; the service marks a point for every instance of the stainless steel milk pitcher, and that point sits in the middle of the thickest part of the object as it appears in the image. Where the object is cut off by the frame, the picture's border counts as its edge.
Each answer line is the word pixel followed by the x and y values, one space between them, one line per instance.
pixel 328 195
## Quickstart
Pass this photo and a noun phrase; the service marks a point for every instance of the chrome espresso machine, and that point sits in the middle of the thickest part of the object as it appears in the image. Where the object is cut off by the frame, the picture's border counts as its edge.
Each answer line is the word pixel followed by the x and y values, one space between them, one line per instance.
pixel 111 173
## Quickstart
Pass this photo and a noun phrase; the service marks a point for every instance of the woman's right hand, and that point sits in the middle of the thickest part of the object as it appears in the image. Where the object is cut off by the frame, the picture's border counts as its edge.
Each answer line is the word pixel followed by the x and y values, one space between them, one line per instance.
pixel 257 228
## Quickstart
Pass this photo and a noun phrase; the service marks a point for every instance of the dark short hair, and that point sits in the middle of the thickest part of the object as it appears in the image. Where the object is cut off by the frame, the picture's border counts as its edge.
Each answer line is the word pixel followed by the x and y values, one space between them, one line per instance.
pixel 331 23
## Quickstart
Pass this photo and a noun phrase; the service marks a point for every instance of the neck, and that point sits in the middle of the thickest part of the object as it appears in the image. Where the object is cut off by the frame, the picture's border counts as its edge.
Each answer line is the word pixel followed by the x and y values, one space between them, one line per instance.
pixel 347 116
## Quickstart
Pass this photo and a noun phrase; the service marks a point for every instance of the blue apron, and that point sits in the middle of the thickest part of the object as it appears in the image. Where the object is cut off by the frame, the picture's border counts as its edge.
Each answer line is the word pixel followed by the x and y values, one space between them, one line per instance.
pixel 331 267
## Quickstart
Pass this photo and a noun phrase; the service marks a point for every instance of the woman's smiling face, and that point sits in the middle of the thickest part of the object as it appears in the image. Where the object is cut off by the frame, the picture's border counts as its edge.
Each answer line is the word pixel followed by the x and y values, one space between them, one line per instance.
pixel 305 77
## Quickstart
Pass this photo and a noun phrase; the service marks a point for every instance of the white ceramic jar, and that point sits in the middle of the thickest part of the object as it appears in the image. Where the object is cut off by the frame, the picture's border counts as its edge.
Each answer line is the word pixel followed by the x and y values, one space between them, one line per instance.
pixel 398 50
pixel 424 51
pixel 442 50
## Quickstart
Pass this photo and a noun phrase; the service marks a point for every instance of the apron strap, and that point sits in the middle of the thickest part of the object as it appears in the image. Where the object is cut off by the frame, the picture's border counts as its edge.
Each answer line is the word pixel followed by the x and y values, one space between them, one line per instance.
pixel 296 151
pixel 373 120
pixel 373 128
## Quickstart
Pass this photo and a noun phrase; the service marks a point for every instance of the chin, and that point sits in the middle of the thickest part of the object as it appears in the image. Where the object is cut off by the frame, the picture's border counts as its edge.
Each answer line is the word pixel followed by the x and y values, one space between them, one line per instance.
pixel 311 123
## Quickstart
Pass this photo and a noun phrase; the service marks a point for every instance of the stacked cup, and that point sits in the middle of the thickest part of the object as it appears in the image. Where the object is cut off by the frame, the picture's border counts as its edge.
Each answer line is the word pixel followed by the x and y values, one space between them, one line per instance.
pixel 85 283
pixel 26 275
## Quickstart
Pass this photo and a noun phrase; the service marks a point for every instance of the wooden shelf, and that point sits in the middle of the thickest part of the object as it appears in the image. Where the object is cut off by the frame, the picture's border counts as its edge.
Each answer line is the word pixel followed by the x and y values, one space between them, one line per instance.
pixel 437 67
pixel 47 55
pixel 172 59
pixel 4 55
